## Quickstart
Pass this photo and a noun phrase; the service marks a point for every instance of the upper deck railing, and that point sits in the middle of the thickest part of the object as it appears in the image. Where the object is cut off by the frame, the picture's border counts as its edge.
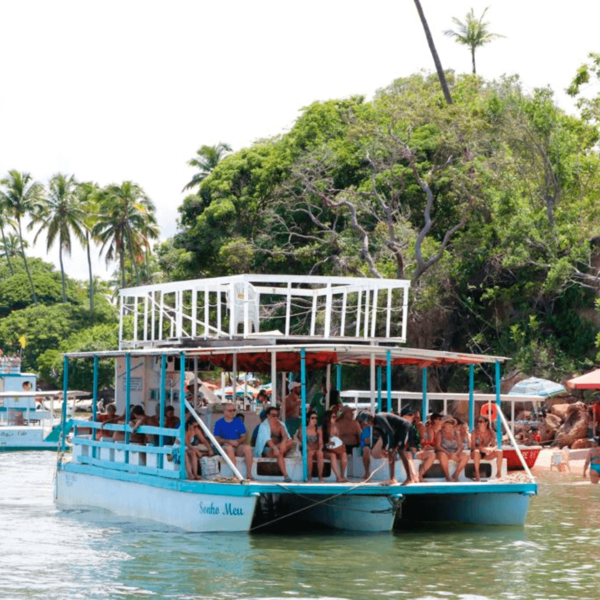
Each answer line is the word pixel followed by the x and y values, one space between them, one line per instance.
pixel 263 306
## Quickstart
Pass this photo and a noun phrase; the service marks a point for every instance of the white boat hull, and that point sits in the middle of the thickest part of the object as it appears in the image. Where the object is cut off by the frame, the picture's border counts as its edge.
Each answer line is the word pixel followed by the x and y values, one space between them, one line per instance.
pixel 24 437
pixel 190 511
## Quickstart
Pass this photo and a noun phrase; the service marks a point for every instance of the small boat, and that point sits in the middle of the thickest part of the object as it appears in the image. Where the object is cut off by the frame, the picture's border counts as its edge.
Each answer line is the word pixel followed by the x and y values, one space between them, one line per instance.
pixel 313 323
pixel 513 461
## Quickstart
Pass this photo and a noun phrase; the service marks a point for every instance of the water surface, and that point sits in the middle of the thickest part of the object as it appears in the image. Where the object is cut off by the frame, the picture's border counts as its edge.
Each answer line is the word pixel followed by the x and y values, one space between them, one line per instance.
pixel 51 554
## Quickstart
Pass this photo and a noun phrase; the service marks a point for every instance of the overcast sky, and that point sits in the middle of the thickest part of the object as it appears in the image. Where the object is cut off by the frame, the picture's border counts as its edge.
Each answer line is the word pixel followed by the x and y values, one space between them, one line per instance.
pixel 129 90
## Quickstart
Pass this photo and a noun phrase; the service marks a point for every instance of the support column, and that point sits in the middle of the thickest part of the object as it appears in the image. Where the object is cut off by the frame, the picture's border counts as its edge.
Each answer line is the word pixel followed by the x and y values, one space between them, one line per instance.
pixel 388 405
pixel 182 414
pixel 63 442
pixel 471 397
pixel 305 465
pixel 95 402
pixel 498 408
pixel 425 404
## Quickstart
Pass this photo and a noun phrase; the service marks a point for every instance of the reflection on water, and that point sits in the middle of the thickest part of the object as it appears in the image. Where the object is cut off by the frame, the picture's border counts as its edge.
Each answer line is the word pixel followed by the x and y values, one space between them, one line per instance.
pixel 95 554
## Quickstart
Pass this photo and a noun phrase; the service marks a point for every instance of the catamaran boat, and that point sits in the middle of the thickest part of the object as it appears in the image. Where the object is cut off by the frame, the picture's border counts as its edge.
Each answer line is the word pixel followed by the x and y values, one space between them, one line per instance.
pixel 276 325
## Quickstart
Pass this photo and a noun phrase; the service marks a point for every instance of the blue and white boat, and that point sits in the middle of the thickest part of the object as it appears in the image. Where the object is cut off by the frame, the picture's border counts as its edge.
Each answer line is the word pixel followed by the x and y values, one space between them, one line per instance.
pixel 24 423
pixel 275 325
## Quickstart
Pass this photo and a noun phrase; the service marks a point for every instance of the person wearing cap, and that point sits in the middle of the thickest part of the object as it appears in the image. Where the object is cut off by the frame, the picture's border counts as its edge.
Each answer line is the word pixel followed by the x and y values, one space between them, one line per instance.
pixel 449 446
pixel 292 404
pixel 366 441
pixel 393 433
pixel 230 432
pixel 592 460
pixel 348 429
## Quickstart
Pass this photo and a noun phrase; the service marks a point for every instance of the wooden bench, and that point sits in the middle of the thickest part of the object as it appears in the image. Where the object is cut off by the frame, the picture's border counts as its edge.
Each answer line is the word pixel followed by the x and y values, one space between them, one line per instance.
pixel 267 469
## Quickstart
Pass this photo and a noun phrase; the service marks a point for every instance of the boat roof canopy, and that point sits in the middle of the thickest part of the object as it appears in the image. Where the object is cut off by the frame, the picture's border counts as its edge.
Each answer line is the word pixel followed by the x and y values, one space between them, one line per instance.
pixel 288 357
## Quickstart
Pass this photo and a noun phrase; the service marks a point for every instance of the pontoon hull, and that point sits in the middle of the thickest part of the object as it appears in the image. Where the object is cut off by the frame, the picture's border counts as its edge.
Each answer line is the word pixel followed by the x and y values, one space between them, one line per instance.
pixel 190 511
pixel 349 513
pixel 509 509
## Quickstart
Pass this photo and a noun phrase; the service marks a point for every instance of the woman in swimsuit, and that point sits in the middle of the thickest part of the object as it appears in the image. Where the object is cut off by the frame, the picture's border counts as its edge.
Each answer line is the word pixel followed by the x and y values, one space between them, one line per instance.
pixel 333 454
pixel 593 461
pixel 448 446
pixel 314 445
pixel 432 427
pixel 483 445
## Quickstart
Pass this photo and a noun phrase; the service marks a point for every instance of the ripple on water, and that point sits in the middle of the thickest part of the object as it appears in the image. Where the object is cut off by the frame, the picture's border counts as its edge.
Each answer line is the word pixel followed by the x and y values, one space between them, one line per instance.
pixel 95 554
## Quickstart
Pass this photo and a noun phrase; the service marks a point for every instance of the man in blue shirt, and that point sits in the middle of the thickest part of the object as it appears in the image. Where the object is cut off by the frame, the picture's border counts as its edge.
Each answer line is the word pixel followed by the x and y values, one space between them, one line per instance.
pixel 230 432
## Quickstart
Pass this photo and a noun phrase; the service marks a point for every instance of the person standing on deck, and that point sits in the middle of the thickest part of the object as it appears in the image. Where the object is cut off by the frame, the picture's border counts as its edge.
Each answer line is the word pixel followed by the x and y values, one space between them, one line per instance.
pixel 293 408
pixel 393 434
pixel 230 432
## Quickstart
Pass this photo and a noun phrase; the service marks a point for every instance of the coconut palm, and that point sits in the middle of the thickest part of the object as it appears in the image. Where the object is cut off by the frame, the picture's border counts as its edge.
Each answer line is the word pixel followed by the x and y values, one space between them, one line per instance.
pixel 61 216
pixel 22 197
pixel 125 223
pixel 206 159
pixel 6 224
pixel 88 194
pixel 434 54
pixel 473 33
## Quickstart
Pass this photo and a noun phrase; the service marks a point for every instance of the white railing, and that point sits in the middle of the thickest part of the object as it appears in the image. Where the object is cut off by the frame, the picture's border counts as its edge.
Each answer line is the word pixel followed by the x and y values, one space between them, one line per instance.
pixel 265 305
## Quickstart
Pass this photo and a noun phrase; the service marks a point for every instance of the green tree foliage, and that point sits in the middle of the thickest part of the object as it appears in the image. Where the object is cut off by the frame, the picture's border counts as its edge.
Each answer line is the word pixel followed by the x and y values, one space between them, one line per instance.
pixel 488 205
pixel 21 197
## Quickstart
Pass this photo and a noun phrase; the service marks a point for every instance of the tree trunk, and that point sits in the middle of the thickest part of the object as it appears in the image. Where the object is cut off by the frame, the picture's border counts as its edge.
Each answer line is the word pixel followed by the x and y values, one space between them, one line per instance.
pixel 122 265
pixel 434 54
pixel 25 263
pixel 473 60
pixel 89 259
pixel 62 272
pixel 6 252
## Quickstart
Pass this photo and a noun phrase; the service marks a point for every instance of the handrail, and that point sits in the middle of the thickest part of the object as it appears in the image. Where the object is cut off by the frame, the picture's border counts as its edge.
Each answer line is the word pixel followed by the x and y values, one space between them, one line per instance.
pixel 516 446
pixel 215 443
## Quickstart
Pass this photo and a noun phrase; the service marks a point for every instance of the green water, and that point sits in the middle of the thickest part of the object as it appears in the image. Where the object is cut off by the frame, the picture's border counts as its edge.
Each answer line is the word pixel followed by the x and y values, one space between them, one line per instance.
pixel 45 553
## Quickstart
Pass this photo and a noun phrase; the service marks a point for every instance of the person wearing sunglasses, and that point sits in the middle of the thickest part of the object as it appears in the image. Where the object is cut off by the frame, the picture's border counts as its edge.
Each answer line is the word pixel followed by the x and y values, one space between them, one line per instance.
pixel 483 446
pixel 230 432
pixel 274 441
pixel 314 445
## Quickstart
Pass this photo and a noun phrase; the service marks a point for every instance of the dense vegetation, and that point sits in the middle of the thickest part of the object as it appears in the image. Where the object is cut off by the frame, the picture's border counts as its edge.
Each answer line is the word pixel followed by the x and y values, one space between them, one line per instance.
pixel 488 204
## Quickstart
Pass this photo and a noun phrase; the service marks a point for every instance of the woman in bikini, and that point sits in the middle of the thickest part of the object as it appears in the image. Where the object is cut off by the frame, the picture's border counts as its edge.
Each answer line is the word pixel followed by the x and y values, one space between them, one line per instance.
pixel 593 462
pixel 448 446
pixel 432 427
pixel 314 445
pixel 334 454
pixel 483 446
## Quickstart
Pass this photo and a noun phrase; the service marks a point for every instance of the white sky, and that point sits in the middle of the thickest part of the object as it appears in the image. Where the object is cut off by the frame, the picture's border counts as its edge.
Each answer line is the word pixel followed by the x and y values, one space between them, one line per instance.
pixel 130 89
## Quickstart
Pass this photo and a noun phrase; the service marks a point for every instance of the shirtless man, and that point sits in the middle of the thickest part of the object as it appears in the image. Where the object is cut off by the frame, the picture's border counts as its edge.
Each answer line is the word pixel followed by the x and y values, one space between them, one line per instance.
pixel 348 429
pixel 273 440
pixel 292 403
pixel 592 461
pixel 230 432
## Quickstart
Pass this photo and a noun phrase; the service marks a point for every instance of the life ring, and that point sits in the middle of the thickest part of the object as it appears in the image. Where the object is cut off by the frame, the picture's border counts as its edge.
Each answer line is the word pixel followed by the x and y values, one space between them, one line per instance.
pixel 490 411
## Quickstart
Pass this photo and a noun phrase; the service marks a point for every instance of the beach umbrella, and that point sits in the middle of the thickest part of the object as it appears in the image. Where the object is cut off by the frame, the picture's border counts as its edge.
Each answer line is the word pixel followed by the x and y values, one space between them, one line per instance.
pixel 534 386
pixel 589 381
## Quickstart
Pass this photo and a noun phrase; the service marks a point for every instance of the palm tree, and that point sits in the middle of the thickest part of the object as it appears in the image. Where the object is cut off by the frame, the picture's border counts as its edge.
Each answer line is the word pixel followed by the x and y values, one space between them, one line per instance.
pixel 206 159
pixel 125 223
pixel 21 197
pixel 88 194
pixel 473 33
pixel 434 54
pixel 5 222
pixel 61 215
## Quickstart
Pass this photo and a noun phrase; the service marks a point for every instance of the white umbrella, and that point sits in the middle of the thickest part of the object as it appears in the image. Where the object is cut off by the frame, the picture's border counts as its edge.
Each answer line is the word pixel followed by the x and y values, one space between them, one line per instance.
pixel 534 386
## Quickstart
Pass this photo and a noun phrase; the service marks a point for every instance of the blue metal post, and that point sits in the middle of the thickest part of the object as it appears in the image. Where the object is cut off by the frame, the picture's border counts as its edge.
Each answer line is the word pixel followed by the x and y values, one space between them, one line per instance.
pixel 379 388
pixel 498 407
pixel 127 401
pixel 388 404
pixel 305 464
pixel 425 403
pixel 63 443
pixel 95 402
pixel 161 396
pixel 471 397
pixel 182 412
pixel 338 372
